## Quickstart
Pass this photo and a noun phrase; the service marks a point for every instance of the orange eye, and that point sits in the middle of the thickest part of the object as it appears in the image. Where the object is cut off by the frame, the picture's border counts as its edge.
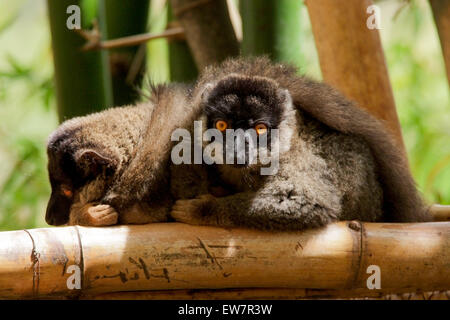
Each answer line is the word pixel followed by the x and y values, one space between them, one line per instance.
pixel 67 192
pixel 221 125
pixel 261 128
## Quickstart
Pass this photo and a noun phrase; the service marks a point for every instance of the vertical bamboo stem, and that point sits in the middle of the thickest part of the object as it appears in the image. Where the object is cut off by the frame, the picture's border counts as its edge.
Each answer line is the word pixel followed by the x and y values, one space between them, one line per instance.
pixel 182 64
pixel 126 18
pixel 277 35
pixel 351 57
pixel 441 12
pixel 82 78
pixel 208 30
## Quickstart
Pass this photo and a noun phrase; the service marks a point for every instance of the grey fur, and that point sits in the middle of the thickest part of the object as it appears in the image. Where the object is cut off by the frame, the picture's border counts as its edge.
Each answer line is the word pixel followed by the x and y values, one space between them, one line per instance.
pixel 342 164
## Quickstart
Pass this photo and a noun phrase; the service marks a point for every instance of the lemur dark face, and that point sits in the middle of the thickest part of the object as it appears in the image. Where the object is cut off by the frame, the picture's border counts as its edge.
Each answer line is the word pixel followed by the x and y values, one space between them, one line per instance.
pixel 249 103
pixel 69 169
pixel 62 171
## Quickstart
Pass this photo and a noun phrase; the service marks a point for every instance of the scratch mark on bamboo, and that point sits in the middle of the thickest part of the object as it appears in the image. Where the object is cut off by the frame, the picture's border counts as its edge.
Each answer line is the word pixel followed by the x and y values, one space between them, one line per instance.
pixel 124 276
pixel 298 246
pixel 357 233
pixel 213 258
pixel 121 275
pixel 141 265
pixel 166 274
pixel 81 258
pixel 34 257
pixel 209 254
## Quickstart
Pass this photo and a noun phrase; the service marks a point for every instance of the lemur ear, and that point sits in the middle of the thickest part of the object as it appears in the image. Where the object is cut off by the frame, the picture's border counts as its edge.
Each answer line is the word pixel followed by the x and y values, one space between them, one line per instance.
pixel 91 161
pixel 284 96
pixel 206 92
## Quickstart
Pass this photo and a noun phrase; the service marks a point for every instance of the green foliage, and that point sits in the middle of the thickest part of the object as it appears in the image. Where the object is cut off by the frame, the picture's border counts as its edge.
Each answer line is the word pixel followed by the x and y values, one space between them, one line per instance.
pixel 25 189
pixel 82 78
pixel 421 92
pixel 27 110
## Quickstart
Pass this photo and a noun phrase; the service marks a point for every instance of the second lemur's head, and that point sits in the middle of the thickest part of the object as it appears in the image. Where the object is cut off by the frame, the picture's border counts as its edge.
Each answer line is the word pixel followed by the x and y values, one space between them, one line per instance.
pixel 73 164
pixel 255 106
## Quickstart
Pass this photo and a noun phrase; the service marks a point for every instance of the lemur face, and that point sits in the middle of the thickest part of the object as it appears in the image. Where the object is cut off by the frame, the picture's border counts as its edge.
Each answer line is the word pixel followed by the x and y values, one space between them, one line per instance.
pixel 64 181
pixel 255 105
pixel 70 168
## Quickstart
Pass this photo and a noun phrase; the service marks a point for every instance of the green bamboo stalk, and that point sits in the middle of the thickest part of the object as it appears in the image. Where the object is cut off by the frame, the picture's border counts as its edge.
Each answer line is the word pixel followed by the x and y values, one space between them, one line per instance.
pixel 182 64
pixel 82 78
pixel 271 27
pixel 126 18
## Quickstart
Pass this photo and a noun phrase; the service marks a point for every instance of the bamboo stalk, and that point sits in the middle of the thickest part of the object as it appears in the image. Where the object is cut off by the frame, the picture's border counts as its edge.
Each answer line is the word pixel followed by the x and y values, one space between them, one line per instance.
pixel 125 18
pixel 208 30
pixel 441 13
pixel 352 59
pixel 266 294
pixel 182 64
pixel 277 35
pixel 440 212
pixel 83 83
pixel 174 256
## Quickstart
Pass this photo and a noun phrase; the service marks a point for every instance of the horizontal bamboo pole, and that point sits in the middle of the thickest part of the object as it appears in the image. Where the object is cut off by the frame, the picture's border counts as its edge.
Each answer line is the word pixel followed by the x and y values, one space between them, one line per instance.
pixel 174 256
pixel 440 212
pixel 268 294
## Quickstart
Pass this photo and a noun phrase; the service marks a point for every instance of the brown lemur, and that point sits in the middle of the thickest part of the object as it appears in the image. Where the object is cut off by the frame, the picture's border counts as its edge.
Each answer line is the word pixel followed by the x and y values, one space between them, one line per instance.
pixel 91 157
pixel 336 162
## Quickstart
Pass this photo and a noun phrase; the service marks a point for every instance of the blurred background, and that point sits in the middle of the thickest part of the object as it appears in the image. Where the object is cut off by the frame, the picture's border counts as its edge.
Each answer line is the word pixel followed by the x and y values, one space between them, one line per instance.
pixel 28 110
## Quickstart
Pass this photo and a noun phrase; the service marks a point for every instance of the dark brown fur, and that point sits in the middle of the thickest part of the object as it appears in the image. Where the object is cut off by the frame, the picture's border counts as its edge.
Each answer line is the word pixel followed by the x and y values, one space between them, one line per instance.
pixel 148 170
pixel 402 201
pixel 129 169
pixel 88 156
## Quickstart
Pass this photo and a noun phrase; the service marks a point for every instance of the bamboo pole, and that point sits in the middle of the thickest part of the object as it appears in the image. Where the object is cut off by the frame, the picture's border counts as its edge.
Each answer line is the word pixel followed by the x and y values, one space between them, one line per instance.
pixel 441 13
pixel 208 30
pixel 277 35
pixel 174 256
pixel 440 212
pixel 126 18
pixel 182 64
pixel 351 57
pixel 82 79
pixel 266 294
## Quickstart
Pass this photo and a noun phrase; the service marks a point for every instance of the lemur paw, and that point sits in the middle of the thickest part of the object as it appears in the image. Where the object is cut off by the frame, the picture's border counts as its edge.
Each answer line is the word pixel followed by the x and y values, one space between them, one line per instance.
pixel 194 211
pixel 114 199
pixel 102 215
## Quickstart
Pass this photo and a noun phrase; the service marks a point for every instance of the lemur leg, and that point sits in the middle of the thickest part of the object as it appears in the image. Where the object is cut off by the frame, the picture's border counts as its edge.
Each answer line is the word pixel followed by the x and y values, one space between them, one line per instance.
pixel 287 210
pixel 93 214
